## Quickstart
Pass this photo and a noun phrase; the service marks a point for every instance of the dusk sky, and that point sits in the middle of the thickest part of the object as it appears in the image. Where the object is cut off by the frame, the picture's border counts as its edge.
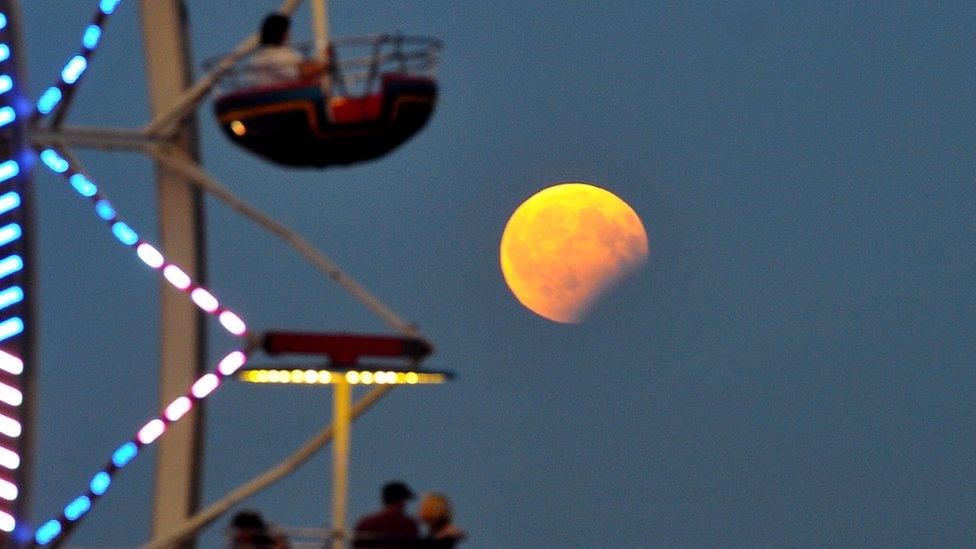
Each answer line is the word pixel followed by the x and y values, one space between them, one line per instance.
pixel 794 365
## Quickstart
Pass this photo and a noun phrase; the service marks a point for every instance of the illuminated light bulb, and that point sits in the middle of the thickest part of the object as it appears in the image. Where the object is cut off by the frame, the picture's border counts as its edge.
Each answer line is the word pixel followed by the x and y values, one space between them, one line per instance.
pixel 7 522
pixel 53 160
pixel 233 323
pixel 205 300
pixel 178 408
pixel 297 376
pixel 49 99
pixel 9 201
pixel 379 378
pixel 124 233
pixel 10 395
pixel 150 256
pixel 47 532
pixel 9 459
pixel 108 6
pixel 6 84
pixel 3 21
pixel 176 277
pixel 124 454
pixel 100 483
pixel 238 128
pixel 9 233
pixel 8 490
pixel 231 363
pixel 4 52
pixel 311 376
pixel 352 377
pixel 91 36
pixel 7 115
pixel 11 296
pixel 151 431
pixel 412 378
pixel 9 169
pixel 78 506
pixel 263 376
pixel 83 185
pixel 73 69
pixel 205 385
pixel 366 378
pixel 11 364
pixel 401 377
pixel 11 327
pixel 105 210
pixel 10 265
pixel 325 376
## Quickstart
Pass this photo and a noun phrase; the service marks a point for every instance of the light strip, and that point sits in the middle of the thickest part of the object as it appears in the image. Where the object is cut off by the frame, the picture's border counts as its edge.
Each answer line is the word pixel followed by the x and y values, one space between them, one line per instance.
pixel 11 296
pixel 11 327
pixel 10 265
pixel 354 377
pixel 9 201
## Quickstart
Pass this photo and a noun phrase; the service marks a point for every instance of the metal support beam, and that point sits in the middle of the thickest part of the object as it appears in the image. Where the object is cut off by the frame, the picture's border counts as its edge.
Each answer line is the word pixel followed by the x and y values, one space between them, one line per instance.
pixel 342 420
pixel 181 222
pixel 92 137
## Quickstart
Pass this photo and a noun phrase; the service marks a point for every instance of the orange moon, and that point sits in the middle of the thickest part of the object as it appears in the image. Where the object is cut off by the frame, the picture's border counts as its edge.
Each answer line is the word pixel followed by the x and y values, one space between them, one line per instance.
pixel 567 245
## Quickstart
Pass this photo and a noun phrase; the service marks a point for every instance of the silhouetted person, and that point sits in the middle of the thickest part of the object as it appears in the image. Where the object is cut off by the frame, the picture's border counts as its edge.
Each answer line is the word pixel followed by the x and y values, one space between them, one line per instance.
pixel 274 62
pixel 435 512
pixel 390 528
pixel 249 531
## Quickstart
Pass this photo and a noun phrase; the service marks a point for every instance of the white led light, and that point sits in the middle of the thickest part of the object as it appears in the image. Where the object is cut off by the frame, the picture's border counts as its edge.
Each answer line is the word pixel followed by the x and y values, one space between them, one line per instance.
pixel 9 459
pixel 205 300
pixel 233 323
pixel 151 431
pixel 9 426
pixel 205 385
pixel 11 364
pixel 178 408
pixel 10 395
pixel 7 522
pixel 177 277
pixel 8 490
pixel 150 256
pixel 231 363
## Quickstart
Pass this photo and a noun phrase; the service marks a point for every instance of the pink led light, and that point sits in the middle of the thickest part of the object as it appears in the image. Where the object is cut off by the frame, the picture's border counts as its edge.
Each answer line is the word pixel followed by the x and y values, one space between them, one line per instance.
pixel 205 385
pixel 8 490
pixel 11 364
pixel 178 408
pixel 9 459
pixel 10 395
pixel 9 426
pixel 205 300
pixel 7 522
pixel 151 431
pixel 150 256
pixel 233 323
pixel 177 277
pixel 231 363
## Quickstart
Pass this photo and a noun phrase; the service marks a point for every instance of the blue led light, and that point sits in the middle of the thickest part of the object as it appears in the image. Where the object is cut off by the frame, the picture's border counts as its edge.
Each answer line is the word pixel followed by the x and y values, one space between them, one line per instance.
pixel 73 69
pixel 9 201
pixel 3 21
pixel 49 99
pixel 108 6
pixel 7 115
pixel 6 83
pixel 53 160
pixel 9 233
pixel 9 169
pixel 124 454
pixel 11 296
pixel 91 36
pixel 11 327
pixel 99 483
pixel 124 233
pixel 105 210
pixel 47 532
pixel 4 52
pixel 10 265
pixel 83 185
pixel 78 506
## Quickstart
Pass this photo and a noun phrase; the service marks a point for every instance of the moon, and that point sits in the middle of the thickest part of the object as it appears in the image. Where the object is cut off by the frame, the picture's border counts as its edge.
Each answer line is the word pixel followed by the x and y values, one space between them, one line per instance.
pixel 567 245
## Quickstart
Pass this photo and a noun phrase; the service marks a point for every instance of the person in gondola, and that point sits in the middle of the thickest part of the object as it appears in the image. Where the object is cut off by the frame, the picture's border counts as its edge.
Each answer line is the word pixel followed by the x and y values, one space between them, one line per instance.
pixel 435 512
pixel 275 62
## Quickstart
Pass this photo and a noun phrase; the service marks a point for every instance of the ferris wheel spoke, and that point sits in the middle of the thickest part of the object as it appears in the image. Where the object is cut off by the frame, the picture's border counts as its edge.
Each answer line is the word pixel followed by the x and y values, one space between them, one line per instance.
pixel 70 168
pixel 56 530
pixel 57 98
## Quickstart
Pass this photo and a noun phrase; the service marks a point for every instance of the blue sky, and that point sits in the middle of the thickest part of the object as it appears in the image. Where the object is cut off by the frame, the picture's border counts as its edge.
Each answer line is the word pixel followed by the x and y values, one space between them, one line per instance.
pixel 794 365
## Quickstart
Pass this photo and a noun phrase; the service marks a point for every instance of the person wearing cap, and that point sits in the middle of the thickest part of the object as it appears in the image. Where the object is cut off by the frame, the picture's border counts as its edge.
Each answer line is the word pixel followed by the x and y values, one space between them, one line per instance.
pixel 390 528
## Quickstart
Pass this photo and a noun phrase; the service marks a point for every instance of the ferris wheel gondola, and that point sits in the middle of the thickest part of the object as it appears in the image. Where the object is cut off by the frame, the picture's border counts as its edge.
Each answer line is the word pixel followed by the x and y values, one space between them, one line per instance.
pixel 344 111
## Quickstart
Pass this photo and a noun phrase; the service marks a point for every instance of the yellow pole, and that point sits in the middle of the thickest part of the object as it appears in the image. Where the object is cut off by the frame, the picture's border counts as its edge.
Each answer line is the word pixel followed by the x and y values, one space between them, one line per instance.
pixel 342 419
pixel 320 25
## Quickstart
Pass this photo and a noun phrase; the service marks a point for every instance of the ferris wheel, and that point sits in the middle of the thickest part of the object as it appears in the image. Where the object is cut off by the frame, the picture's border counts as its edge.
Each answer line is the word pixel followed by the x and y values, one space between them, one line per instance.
pixel 350 100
